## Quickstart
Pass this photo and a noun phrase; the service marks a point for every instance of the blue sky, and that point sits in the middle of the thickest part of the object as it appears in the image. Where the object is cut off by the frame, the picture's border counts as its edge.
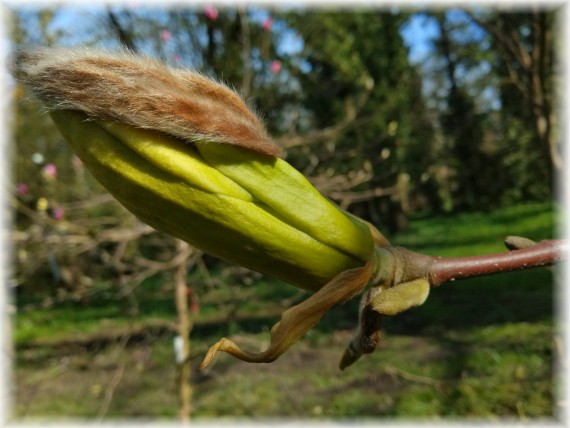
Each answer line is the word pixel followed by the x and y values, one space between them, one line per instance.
pixel 418 33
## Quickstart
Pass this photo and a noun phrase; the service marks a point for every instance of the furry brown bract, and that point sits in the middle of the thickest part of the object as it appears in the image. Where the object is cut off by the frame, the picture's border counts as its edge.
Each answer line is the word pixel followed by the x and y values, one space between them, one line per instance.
pixel 142 92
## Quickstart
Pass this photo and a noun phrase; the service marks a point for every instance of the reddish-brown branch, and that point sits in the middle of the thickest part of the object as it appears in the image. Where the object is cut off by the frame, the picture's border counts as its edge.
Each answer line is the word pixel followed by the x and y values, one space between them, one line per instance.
pixel 545 253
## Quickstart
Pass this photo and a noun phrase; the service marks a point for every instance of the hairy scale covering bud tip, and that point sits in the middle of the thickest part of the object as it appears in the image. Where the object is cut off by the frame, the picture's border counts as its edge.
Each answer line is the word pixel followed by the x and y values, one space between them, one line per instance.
pixel 144 93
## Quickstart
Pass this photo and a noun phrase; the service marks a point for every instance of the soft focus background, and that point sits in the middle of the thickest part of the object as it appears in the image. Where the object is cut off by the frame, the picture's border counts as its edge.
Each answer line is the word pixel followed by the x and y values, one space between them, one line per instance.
pixel 439 126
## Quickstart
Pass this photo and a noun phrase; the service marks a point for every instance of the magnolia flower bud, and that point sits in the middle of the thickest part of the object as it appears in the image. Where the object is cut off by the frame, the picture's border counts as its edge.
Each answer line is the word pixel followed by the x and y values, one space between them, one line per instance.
pixel 236 204
pixel 185 155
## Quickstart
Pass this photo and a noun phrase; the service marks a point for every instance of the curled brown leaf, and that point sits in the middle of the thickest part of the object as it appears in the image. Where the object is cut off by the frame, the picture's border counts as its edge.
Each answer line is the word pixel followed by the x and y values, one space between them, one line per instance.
pixel 299 319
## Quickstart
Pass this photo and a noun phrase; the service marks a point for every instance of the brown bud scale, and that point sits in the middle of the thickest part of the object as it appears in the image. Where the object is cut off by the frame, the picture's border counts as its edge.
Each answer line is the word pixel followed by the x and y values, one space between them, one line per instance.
pixel 144 93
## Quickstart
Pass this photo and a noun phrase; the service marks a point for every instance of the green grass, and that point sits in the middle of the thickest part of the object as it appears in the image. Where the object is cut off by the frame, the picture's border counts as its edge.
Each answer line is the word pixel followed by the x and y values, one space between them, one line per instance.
pixel 70 319
pixel 480 232
pixel 480 349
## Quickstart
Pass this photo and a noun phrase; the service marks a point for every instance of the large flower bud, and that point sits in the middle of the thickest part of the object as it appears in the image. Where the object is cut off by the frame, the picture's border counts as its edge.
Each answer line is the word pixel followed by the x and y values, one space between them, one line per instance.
pixel 234 203
pixel 185 155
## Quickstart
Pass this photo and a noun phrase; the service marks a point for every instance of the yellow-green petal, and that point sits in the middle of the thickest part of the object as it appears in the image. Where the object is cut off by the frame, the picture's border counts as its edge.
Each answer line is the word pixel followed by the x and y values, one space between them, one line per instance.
pixel 292 196
pixel 229 227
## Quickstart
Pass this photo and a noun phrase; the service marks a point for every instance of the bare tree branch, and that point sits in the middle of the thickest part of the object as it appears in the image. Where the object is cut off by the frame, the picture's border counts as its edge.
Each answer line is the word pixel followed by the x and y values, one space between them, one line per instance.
pixel 125 39
pixel 352 107
pixel 184 328
pixel 438 270
pixel 543 254
pixel 345 199
pixel 110 391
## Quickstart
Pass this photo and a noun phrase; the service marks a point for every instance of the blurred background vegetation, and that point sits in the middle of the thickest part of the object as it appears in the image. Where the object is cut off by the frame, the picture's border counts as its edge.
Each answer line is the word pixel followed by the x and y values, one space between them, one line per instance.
pixel 440 127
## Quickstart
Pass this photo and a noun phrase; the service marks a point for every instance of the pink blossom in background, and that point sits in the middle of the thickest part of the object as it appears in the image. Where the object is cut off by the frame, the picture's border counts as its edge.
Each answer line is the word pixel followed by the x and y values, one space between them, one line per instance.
pixel 22 189
pixel 267 24
pixel 176 58
pixel 58 213
pixel 50 170
pixel 211 12
pixel 165 35
pixel 275 66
